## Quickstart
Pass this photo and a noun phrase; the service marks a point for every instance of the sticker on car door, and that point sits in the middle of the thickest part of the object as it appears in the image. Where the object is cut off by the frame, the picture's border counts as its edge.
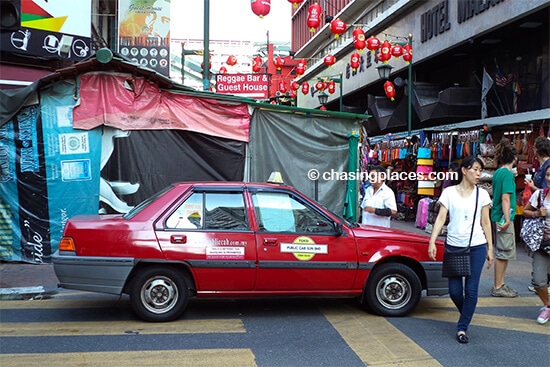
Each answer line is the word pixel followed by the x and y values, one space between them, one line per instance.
pixel 304 248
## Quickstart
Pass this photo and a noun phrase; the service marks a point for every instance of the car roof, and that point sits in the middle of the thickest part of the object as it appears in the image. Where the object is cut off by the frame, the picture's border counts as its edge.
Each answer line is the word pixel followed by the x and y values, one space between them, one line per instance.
pixel 228 184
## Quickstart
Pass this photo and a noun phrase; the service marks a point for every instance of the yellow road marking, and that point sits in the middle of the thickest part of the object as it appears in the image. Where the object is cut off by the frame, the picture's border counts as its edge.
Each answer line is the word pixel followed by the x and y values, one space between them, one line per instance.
pixel 121 328
pixel 376 341
pixel 445 301
pixel 184 358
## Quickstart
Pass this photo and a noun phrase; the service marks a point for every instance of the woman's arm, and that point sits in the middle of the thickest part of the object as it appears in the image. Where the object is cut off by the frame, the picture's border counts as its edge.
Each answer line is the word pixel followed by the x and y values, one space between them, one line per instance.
pixel 438 225
pixel 486 225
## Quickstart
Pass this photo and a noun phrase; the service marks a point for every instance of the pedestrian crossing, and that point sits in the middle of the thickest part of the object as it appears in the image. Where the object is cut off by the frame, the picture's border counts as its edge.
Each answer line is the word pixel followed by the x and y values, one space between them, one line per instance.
pixel 374 340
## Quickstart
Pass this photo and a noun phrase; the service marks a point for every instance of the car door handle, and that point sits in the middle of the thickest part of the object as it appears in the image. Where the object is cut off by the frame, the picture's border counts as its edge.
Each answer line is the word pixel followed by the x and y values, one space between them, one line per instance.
pixel 270 242
pixel 178 239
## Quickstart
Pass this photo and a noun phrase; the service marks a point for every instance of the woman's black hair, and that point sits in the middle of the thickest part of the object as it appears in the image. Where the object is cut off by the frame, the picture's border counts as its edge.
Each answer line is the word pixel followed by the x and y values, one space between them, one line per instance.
pixel 505 152
pixel 468 163
pixel 542 145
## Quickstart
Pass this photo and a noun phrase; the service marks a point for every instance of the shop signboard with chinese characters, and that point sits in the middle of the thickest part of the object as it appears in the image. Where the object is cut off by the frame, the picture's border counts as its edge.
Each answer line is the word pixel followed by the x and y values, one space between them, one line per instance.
pixel 51 29
pixel 144 33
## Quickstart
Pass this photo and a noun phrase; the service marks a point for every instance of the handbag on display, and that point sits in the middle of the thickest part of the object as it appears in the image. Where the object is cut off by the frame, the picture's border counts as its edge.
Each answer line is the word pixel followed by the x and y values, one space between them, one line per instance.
pixel 456 261
pixel 532 229
pixel 487 148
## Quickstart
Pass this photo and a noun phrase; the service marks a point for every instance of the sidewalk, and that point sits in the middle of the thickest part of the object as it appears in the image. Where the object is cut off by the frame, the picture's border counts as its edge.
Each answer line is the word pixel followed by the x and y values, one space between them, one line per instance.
pixel 24 280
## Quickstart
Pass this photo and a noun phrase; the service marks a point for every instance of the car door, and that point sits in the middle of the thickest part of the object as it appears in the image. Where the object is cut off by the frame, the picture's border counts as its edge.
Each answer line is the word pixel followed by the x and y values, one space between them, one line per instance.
pixel 210 231
pixel 298 246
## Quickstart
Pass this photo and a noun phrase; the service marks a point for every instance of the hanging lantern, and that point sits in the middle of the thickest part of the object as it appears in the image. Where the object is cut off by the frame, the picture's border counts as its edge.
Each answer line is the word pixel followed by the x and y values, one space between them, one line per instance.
pixel 390 90
pixel 337 27
pixel 396 51
pixel 260 7
pixel 373 43
pixel 385 52
pixel 354 62
pixel 231 60
pixel 407 53
pixel 293 93
pixel 257 64
pixel 300 69
pixel 314 17
pixel 294 85
pixel 331 87
pixel 279 62
pixel 305 88
pixel 323 108
pixel 359 40
pixel 223 70
pixel 295 3
pixel 329 60
pixel 282 87
pixel 320 86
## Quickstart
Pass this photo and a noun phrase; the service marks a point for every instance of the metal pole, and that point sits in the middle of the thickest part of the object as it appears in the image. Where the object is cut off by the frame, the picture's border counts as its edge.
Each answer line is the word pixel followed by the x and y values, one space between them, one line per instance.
pixel 341 88
pixel 183 63
pixel 206 59
pixel 409 90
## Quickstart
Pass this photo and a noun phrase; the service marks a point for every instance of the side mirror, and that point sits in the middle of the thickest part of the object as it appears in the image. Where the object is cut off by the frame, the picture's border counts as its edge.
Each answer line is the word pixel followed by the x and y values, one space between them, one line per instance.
pixel 338 228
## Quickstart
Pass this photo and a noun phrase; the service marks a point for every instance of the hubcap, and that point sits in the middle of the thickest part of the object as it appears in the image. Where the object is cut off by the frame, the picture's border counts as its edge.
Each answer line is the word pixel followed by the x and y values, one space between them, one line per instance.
pixel 159 295
pixel 393 291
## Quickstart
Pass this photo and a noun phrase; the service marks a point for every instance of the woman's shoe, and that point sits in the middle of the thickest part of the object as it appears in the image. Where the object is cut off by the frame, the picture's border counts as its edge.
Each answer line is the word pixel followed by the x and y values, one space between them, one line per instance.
pixel 462 338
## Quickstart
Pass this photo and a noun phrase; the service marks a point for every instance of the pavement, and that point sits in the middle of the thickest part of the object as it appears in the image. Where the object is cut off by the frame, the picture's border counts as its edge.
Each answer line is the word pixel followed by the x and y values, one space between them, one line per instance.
pixel 27 281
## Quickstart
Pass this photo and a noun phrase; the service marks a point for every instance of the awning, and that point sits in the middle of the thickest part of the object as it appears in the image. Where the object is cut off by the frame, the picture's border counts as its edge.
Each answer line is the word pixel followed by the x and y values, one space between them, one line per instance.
pixel 516 118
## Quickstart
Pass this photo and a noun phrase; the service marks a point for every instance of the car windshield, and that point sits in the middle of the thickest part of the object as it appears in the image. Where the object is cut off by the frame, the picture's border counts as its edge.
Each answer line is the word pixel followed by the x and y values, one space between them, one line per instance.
pixel 144 204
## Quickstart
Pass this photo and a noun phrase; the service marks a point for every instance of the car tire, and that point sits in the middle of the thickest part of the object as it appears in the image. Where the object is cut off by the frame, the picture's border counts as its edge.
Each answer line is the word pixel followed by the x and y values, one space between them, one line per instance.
pixel 392 289
pixel 159 294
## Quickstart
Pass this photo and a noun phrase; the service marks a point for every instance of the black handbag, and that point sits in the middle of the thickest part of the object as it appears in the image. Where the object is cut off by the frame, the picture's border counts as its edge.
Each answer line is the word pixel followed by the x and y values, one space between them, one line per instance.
pixel 456 261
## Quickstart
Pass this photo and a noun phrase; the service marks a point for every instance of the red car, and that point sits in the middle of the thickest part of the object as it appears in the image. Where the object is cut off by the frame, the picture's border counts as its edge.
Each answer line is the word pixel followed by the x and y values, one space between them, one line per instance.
pixel 235 239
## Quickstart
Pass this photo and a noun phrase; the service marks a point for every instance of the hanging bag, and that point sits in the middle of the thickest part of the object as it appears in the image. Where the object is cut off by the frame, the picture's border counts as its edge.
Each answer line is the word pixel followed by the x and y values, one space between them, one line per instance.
pixel 532 229
pixel 456 261
pixel 424 152
pixel 487 148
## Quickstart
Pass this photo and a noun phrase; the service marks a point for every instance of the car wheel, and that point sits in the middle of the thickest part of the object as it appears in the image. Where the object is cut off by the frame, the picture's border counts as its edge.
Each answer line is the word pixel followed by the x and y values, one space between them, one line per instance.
pixel 159 294
pixel 392 289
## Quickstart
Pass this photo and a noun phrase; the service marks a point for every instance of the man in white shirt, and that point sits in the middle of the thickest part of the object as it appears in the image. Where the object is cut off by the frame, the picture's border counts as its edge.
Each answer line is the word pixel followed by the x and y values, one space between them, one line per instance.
pixel 379 204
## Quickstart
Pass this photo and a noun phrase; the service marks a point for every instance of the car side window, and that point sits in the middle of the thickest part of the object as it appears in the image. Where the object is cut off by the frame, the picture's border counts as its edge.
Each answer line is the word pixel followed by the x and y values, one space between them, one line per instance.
pixel 280 212
pixel 210 211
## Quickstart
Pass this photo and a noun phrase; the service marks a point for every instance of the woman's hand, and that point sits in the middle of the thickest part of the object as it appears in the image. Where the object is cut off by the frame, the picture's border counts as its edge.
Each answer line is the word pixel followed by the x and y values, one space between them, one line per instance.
pixel 432 250
pixel 489 257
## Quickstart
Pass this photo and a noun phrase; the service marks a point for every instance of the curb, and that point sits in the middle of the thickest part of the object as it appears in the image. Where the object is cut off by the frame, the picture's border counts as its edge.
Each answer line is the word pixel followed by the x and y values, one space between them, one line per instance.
pixel 26 293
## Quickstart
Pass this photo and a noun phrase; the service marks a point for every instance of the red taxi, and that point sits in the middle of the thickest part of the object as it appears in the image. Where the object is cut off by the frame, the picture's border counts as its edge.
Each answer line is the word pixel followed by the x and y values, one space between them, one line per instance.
pixel 235 239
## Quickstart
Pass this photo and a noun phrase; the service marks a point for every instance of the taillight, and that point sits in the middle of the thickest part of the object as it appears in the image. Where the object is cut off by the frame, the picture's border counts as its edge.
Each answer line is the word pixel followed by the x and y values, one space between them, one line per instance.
pixel 66 244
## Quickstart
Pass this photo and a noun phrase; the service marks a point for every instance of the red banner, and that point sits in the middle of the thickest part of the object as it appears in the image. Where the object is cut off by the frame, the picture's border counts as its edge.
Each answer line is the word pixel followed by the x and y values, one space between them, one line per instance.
pixel 243 85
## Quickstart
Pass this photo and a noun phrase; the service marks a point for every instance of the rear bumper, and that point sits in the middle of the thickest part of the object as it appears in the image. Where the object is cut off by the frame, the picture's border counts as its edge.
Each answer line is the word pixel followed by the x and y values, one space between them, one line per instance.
pixel 92 273
pixel 436 284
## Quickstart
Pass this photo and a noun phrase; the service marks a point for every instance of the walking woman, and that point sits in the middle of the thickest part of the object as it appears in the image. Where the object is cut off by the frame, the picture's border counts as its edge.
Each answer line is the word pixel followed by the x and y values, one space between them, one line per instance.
pixel 466 226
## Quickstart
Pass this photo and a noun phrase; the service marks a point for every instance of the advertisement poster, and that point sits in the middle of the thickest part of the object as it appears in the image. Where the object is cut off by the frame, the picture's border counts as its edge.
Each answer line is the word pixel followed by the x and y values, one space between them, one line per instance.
pixel 144 33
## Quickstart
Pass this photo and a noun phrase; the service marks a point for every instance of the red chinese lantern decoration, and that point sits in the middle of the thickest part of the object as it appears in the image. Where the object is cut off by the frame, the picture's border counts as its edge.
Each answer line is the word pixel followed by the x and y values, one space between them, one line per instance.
pixel 314 17
pixel 294 86
pixel 320 86
pixel 385 52
pixel 373 43
pixel 293 93
pixel 337 27
pixel 305 88
pixel 354 62
pixel 323 108
pixel 279 62
pixel 331 87
pixel 231 60
pixel 407 53
pixel 390 90
pixel 223 70
pixel 295 3
pixel 300 69
pixel 257 64
pixel 329 60
pixel 282 87
pixel 396 51
pixel 260 7
pixel 359 39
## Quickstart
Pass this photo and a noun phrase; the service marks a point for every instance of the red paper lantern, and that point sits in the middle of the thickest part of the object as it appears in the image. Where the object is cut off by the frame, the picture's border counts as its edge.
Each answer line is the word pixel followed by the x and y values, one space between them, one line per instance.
pixel 282 87
pixel 293 93
pixel 294 86
pixel 320 86
pixel 223 70
pixel 354 62
pixel 390 90
pixel 257 64
pixel 373 43
pixel 407 53
pixel 231 60
pixel 295 3
pixel 305 88
pixel 396 51
pixel 385 52
pixel 300 69
pixel 260 7
pixel 323 108
pixel 329 60
pixel 359 40
pixel 279 62
pixel 314 17
pixel 338 27
pixel 331 87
